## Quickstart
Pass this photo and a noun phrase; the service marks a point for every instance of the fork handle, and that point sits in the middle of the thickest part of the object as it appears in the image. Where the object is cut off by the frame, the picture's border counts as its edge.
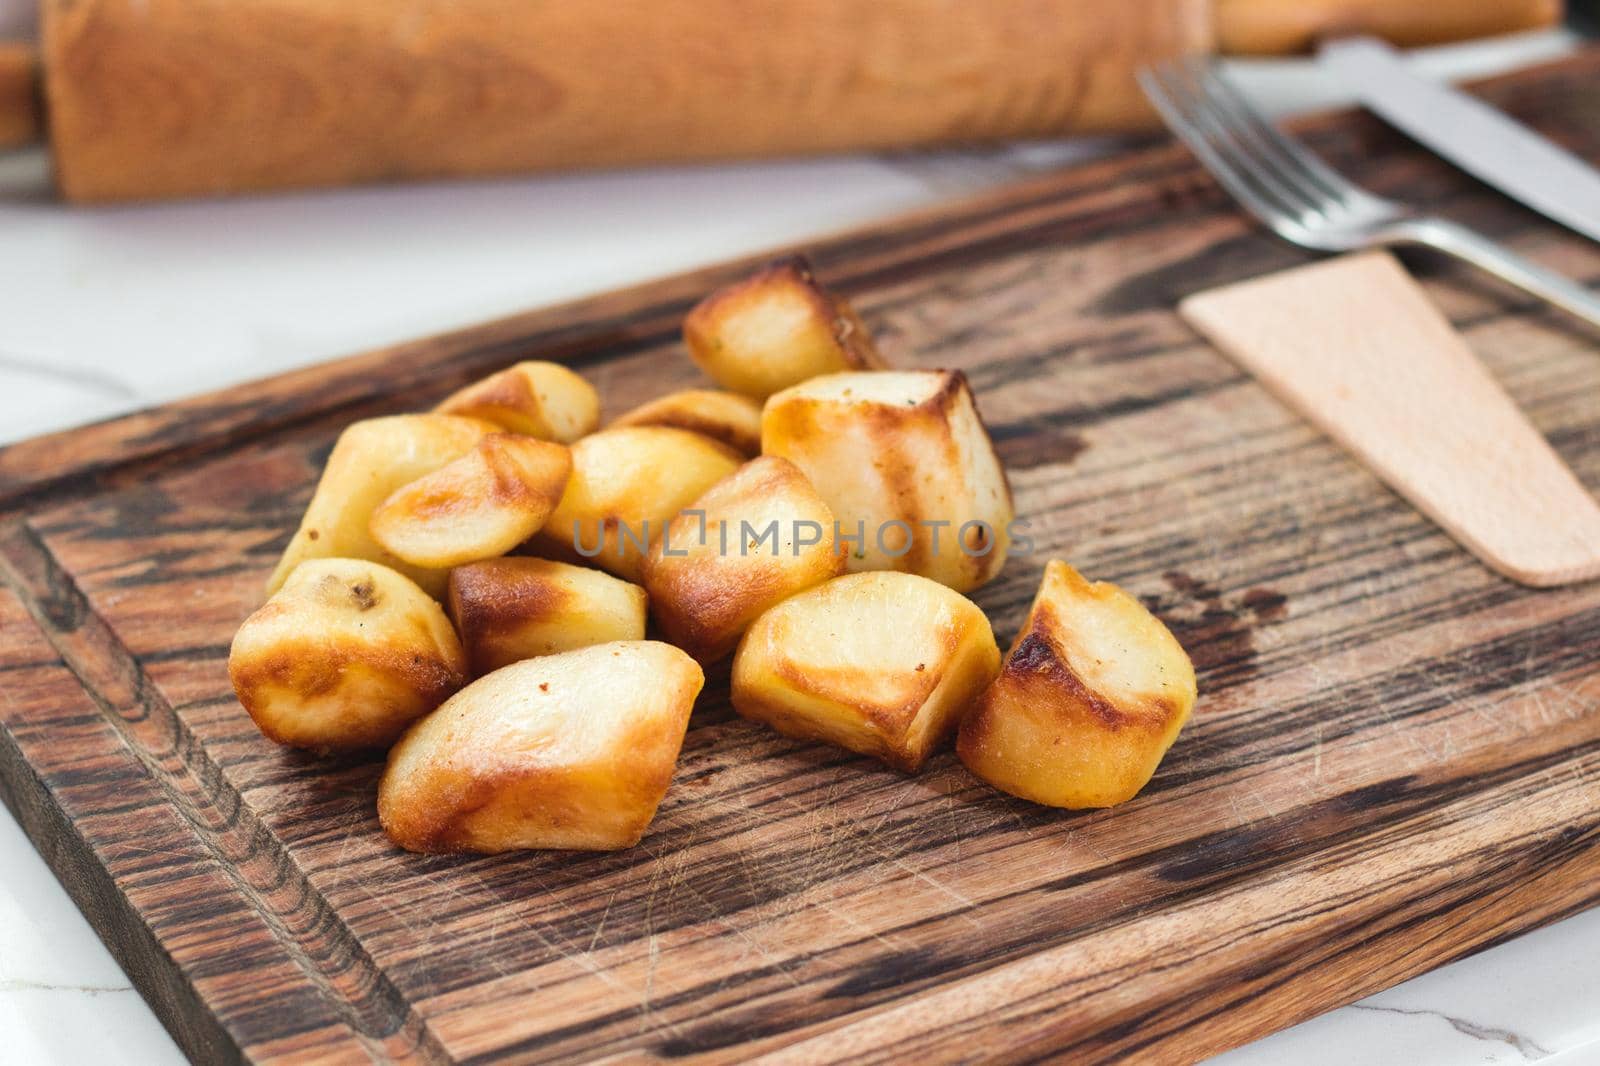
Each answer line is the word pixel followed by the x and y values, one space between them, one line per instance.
pixel 1463 243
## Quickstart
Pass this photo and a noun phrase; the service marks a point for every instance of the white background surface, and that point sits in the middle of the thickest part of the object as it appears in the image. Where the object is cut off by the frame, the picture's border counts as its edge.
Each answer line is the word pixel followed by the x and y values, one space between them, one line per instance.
pixel 105 311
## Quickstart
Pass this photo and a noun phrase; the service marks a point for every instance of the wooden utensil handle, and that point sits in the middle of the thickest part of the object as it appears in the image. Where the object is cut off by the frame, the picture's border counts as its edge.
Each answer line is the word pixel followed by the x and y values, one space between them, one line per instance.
pixel 19 95
pixel 158 98
pixel 1281 27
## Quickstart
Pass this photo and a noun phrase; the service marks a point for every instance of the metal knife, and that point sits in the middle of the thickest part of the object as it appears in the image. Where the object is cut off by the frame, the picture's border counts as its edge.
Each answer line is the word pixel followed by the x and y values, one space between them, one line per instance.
pixel 1471 134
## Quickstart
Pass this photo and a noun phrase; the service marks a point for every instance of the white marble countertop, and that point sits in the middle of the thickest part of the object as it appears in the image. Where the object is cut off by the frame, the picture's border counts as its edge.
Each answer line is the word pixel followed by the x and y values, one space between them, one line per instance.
pixel 105 311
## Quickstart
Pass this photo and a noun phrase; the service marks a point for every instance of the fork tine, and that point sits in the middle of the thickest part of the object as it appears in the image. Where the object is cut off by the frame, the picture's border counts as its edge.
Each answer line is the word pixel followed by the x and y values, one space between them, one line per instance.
pixel 1293 157
pixel 1291 191
pixel 1161 84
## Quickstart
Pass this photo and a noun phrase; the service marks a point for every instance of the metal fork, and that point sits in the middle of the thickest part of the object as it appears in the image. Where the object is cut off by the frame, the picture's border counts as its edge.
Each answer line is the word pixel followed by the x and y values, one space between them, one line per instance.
pixel 1284 185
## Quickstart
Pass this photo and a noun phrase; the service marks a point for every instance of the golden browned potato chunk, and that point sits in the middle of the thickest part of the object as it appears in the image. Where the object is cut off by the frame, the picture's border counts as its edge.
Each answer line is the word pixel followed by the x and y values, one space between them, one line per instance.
pixel 345 655
pixel 1093 692
pixel 476 507
pixel 516 608
pixel 723 416
pixel 626 485
pixel 760 535
pixel 565 751
pixel 535 399
pixel 370 461
pixel 776 329
pixel 881 663
pixel 907 466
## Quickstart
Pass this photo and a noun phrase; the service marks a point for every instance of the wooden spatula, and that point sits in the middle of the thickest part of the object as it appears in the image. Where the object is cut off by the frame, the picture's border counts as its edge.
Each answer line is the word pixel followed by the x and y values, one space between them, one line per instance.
pixel 1355 346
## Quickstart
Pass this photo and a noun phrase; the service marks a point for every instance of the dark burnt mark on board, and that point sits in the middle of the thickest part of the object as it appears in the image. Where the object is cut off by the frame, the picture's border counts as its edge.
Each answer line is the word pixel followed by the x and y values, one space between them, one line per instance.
pixel 1268 605
pixel 1217 629
pixel 1026 445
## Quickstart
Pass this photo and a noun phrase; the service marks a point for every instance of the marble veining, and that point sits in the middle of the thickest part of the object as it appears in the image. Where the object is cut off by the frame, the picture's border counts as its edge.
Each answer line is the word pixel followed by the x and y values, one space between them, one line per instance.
pixel 1527 1048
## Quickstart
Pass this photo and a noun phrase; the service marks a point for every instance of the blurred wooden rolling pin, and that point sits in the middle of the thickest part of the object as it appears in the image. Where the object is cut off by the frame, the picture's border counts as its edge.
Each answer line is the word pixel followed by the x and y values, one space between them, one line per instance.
pixel 166 98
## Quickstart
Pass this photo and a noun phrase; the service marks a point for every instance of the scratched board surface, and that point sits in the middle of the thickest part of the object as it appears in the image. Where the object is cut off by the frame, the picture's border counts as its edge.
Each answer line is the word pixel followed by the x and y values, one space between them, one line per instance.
pixel 1395 759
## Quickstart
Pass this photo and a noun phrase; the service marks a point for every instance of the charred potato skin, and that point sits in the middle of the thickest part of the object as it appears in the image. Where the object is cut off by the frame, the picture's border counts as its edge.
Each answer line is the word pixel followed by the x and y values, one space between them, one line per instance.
pixel 703 599
pixel 1043 732
pixel 876 463
pixel 476 507
pixel 902 723
pixel 627 477
pixel 726 417
pixel 534 399
pixel 830 337
pixel 370 460
pixel 331 687
pixel 453 785
pixel 519 607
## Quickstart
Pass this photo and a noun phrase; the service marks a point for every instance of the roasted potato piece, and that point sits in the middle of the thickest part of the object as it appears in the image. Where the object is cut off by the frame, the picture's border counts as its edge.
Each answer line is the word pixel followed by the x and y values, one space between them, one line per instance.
pixel 881 663
pixel 371 460
pixel 1093 692
pixel 476 507
pixel 776 329
pixel 565 751
pixel 904 461
pixel 516 608
pixel 344 656
pixel 761 535
pixel 626 485
pixel 535 399
pixel 724 416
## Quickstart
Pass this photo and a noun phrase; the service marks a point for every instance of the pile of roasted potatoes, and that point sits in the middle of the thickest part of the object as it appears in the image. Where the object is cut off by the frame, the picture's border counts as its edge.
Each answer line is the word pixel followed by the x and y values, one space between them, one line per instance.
pixel 473 588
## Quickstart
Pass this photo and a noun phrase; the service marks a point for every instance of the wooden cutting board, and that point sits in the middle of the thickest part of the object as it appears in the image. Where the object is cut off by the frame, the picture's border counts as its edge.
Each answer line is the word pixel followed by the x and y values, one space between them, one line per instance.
pixel 1395 760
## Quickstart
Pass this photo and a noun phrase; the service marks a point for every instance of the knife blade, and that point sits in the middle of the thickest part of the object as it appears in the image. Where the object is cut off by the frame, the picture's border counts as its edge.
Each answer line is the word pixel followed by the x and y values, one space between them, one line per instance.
pixel 1469 133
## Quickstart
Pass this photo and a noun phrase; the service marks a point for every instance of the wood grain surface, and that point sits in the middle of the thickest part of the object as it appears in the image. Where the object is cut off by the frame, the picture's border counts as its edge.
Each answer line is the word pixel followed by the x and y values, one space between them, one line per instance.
pixel 1395 760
